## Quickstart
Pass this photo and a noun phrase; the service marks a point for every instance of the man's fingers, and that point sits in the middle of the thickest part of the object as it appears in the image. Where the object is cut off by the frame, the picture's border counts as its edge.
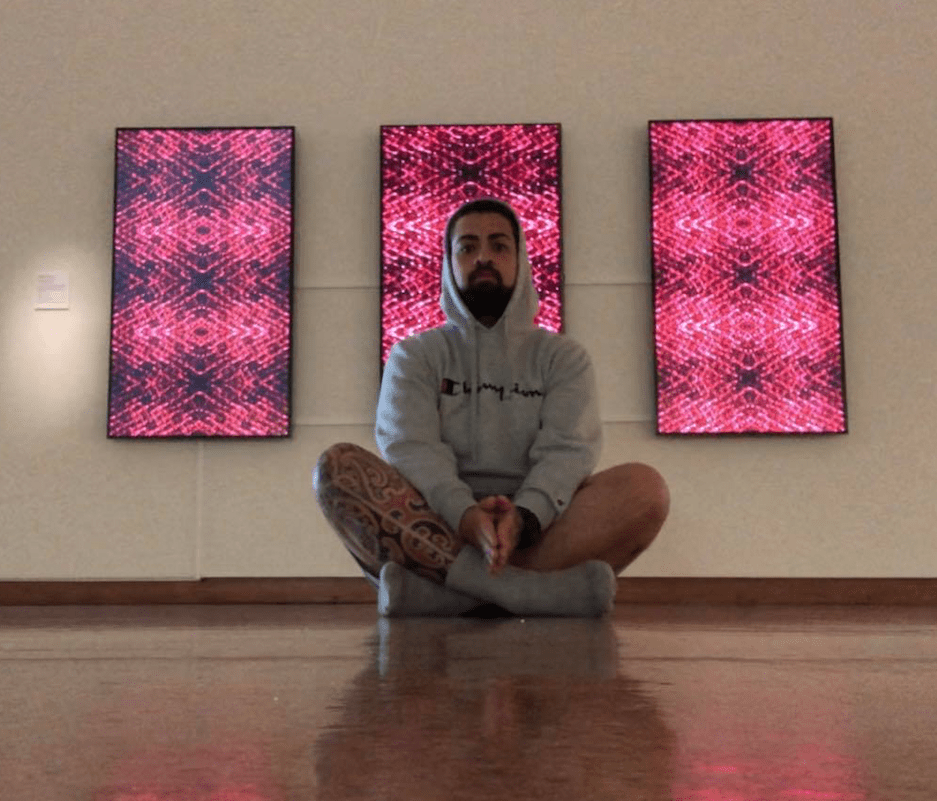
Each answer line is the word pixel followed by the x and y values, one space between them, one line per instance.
pixel 495 503
pixel 489 504
pixel 507 532
pixel 503 503
pixel 489 523
pixel 487 540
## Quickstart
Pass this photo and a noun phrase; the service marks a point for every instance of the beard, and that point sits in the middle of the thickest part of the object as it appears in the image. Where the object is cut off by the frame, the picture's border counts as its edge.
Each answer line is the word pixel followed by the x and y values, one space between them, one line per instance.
pixel 487 299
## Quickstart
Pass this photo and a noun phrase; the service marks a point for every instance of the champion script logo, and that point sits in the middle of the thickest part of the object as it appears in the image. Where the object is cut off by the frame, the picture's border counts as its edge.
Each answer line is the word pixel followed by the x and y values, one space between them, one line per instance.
pixel 450 387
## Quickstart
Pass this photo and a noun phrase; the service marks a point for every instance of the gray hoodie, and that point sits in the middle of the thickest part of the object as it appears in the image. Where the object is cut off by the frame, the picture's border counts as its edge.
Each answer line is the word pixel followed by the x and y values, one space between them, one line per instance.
pixel 467 411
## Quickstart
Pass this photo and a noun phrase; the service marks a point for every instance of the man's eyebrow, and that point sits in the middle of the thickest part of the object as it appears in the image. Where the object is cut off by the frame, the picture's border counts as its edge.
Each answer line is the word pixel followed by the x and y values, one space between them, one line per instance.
pixel 476 237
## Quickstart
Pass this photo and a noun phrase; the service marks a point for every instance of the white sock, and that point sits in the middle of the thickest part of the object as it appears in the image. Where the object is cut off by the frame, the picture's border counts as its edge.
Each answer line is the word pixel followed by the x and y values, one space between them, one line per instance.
pixel 584 590
pixel 405 594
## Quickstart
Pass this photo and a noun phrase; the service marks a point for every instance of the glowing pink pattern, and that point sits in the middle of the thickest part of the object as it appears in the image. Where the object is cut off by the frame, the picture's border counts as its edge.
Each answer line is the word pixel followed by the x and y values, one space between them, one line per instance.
pixel 746 277
pixel 427 171
pixel 797 772
pixel 200 330
pixel 209 772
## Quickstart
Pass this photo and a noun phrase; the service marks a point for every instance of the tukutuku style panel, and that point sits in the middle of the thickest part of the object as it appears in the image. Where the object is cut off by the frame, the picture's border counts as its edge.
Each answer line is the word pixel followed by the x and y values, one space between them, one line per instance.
pixel 748 317
pixel 202 296
pixel 427 171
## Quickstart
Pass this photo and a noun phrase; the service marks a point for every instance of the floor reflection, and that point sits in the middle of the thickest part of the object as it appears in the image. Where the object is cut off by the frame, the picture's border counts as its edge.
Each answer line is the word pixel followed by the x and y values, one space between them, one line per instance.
pixel 495 709
pixel 276 704
pixel 199 774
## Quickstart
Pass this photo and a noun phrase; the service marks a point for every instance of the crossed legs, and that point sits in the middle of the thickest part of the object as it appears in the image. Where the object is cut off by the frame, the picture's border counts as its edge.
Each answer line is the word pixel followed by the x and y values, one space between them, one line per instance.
pixel 384 521
pixel 613 516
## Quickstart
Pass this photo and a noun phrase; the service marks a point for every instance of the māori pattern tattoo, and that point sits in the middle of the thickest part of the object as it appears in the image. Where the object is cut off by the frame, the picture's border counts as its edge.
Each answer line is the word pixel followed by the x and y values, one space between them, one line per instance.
pixel 380 516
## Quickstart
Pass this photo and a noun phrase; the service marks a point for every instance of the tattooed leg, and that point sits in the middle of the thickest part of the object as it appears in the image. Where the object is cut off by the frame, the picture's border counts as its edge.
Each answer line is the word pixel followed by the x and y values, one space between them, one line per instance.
pixel 381 517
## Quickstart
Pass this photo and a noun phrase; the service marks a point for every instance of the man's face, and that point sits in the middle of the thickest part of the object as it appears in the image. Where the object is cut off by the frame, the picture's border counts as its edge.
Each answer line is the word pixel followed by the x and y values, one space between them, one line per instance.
pixel 484 253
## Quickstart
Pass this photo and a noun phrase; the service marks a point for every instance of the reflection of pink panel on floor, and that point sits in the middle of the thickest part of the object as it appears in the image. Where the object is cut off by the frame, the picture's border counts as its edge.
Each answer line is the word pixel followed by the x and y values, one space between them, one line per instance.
pixel 201 773
pixel 202 299
pixel 748 323
pixel 427 171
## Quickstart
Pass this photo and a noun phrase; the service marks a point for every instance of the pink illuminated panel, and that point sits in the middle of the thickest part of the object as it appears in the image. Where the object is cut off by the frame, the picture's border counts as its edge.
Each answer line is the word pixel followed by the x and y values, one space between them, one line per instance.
pixel 427 171
pixel 202 296
pixel 748 331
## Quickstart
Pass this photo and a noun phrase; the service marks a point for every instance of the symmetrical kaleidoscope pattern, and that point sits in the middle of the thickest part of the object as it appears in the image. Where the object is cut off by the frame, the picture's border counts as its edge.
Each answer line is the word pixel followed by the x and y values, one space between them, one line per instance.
pixel 748 322
pixel 427 171
pixel 203 260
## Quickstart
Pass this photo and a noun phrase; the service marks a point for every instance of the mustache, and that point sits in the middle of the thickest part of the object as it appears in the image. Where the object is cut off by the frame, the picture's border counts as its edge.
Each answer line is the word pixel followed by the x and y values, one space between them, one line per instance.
pixel 488 271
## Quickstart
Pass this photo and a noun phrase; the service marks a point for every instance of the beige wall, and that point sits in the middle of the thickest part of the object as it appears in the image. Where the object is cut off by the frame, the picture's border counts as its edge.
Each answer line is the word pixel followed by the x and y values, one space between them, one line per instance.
pixel 75 505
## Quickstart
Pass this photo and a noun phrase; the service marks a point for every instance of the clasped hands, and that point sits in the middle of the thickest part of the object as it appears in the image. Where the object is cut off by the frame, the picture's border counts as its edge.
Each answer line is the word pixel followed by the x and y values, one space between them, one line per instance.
pixel 495 526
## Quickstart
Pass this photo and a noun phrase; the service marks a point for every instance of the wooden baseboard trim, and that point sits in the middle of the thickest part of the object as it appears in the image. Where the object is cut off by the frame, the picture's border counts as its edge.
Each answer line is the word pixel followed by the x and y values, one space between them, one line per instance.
pixel 662 591
pixel 778 591
pixel 206 591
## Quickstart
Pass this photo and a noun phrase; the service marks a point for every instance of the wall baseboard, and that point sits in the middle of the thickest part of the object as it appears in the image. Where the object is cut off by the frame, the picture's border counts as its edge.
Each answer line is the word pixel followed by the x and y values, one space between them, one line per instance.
pixel 778 591
pixel 662 591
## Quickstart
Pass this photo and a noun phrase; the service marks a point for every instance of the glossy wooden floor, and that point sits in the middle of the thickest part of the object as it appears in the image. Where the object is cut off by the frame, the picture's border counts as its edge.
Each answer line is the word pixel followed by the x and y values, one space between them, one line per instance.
pixel 321 702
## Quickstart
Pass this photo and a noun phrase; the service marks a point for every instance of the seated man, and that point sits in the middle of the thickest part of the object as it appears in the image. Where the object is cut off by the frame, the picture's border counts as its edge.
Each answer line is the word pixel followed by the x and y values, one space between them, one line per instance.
pixel 490 429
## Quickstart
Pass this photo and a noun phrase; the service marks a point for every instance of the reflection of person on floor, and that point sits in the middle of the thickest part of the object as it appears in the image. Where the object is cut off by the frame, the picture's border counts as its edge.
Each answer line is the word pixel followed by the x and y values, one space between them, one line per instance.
pixel 490 429
pixel 466 709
